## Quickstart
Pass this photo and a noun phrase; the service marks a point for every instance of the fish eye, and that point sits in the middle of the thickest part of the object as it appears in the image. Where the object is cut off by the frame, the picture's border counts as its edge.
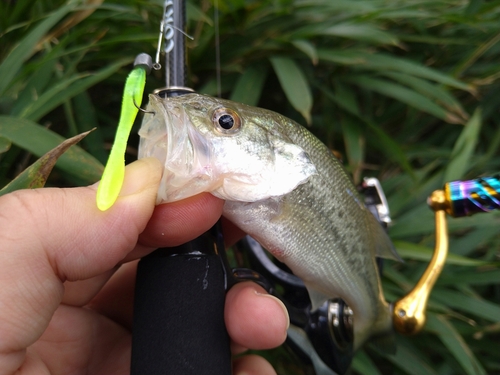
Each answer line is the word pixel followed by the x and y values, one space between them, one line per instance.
pixel 226 120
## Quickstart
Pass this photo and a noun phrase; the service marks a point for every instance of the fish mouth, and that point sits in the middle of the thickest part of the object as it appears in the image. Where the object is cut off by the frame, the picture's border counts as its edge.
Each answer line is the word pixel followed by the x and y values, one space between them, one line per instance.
pixel 168 135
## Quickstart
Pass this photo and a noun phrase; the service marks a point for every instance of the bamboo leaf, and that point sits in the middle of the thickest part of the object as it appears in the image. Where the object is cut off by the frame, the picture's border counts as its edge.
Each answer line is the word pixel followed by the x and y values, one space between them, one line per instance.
pixel 455 344
pixel 23 50
pixel 294 84
pixel 36 175
pixel 463 149
pixel 38 140
pixel 248 89
pixel 67 89
pixel 342 57
pixel 410 359
pixel 86 119
pixel 409 250
pixel 469 304
pixel 354 143
pixel 407 96
pixel 362 31
pixel 477 276
pixel 420 220
pixel 364 365
pixel 5 144
pixel 34 87
pixel 383 142
pixel 308 48
pixel 430 90
pixel 381 62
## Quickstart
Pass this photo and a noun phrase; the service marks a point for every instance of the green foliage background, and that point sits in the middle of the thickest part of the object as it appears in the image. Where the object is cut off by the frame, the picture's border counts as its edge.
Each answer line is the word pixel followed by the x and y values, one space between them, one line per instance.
pixel 407 90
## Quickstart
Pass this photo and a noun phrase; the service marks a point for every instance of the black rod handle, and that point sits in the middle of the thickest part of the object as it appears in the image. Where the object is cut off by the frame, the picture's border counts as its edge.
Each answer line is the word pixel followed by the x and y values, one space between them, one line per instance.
pixel 178 324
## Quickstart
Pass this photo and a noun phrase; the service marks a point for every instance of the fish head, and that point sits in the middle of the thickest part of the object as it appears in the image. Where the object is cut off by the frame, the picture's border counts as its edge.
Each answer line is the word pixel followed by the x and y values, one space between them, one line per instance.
pixel 236 152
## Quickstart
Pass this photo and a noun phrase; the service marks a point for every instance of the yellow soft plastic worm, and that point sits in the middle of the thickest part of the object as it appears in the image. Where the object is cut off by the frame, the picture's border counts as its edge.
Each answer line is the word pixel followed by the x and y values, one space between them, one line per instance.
pixel 114 172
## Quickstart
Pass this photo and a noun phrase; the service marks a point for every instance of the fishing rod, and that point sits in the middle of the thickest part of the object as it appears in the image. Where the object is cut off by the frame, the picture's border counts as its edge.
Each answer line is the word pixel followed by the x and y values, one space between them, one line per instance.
pixel 178 323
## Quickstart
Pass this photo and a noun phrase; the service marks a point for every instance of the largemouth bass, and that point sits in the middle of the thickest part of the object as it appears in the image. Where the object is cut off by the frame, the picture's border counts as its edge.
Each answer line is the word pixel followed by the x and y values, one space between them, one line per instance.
pixel 283 187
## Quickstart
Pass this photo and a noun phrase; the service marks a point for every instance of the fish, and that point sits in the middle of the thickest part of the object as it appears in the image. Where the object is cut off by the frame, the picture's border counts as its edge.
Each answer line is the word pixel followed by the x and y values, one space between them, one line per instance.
pixel 283 187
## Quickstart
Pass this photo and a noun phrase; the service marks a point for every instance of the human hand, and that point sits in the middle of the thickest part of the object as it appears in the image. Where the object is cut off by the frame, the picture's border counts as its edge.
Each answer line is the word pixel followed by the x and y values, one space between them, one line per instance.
pixel 67 273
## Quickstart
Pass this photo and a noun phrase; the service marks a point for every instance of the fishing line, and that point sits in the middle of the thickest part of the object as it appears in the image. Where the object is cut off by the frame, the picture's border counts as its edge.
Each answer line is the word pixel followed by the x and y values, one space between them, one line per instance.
pixel 217 48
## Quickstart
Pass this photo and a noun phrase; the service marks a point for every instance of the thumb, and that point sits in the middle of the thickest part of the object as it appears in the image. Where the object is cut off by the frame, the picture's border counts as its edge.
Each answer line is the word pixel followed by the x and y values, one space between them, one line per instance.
pixel 51 235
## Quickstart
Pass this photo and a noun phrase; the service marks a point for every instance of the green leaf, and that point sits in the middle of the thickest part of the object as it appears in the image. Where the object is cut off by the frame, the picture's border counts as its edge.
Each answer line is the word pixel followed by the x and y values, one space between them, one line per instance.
pixel 39 103
pixel 308 48
pixel 405 95
pixel 248 89
pixel 383 142
pixel 37 174
pixel 341 57
pixel 384 62
pixel 437 92
pixel 25 48
pixel 38 140
pixel 409 250
pixel 411 360
pixel 455 344
pixel 5 144
pixel 86 119
pixel 364 365
pixel 355 145
pixel 469 304
pixel 67 89
pixel 294 84
pixel 35 86
pixel 463 150
pixel 361 31
pixel 477 276
pixel 420 220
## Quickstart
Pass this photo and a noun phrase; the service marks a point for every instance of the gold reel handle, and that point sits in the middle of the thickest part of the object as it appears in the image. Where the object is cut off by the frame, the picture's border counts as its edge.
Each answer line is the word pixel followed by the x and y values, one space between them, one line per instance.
pixel 409 311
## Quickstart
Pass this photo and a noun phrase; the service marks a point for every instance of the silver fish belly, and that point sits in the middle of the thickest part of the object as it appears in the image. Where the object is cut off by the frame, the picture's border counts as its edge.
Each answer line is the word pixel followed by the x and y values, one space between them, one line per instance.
pixel 283 187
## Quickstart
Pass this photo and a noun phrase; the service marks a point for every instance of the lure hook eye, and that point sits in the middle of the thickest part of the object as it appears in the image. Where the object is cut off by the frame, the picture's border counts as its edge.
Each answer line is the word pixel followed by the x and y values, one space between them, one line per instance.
pixel 226 120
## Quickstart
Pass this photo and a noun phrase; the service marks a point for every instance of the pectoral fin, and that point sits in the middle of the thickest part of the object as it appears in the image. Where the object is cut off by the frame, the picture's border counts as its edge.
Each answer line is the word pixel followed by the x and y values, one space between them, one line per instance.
pixel 317 298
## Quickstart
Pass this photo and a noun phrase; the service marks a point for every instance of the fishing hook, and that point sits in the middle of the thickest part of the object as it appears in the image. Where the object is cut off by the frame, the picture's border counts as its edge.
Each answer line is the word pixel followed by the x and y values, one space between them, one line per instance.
pixel 142 110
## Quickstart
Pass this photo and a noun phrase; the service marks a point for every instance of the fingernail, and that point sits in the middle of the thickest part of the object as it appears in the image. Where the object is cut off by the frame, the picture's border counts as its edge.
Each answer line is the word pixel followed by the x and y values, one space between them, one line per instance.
pixel 280 304
pixel 140 175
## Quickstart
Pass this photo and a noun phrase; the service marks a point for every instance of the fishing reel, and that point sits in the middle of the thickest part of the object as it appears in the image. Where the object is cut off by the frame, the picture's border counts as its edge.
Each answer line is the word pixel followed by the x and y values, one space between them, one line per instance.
pixel 323 337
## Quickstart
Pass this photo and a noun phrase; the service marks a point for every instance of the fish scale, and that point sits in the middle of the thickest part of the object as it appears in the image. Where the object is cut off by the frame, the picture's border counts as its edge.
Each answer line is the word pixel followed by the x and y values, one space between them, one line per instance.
pixel 283 187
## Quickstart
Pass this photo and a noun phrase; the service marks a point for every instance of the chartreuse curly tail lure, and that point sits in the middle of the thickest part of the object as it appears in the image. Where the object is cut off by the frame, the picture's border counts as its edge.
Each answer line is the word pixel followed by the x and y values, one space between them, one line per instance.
pixel 114 172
